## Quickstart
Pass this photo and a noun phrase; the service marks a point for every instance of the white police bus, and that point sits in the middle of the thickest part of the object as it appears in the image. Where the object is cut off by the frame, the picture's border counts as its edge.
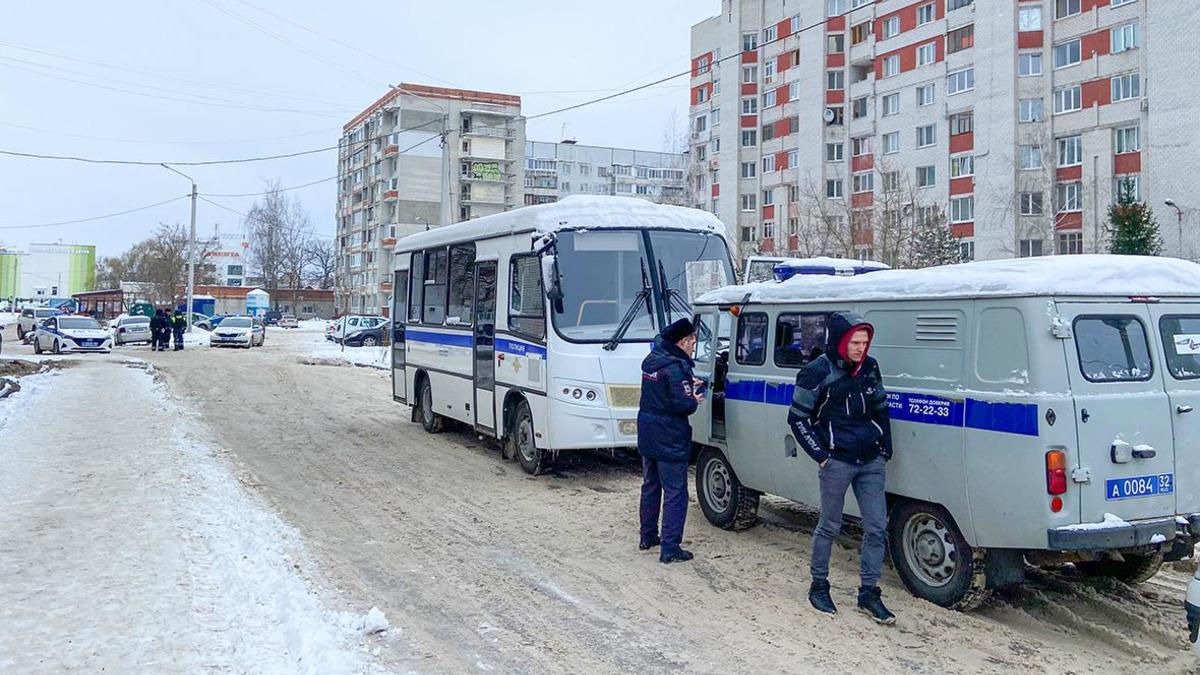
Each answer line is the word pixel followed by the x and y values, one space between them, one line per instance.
pixel 530 326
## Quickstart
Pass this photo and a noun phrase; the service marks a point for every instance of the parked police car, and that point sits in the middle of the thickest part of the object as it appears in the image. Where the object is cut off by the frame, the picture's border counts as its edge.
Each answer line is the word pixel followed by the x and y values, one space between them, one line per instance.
pixel 61 334
pixel 1044 411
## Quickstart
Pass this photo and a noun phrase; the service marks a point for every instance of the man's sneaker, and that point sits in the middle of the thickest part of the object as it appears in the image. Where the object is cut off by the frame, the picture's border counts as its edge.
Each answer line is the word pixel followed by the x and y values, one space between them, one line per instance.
pixel 870 602
pixel 818 596
pixel 678 555
pixel 647 544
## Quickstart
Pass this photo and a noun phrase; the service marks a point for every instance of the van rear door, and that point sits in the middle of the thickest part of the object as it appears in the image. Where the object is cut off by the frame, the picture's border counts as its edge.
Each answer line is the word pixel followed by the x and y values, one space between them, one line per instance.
pixel 1178 327
pixel 1122 413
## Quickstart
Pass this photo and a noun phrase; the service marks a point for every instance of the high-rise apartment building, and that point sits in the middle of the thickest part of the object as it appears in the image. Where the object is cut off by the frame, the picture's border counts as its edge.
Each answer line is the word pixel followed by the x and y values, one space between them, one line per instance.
pixel 394 179
pixel 557 170
pixel 831 126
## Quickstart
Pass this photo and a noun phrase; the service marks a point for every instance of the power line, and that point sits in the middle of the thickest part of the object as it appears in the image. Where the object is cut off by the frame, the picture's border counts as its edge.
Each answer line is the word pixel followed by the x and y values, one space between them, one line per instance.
pixel 267 222
pixel 144 142
pixel 93 218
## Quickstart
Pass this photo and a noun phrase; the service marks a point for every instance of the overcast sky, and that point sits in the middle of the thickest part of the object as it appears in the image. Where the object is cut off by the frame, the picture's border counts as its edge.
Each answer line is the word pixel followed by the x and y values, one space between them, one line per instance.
pixel 176 80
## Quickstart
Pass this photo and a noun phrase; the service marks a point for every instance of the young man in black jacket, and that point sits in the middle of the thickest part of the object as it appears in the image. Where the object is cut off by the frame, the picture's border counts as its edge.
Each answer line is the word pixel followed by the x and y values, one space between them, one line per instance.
pixel 839 415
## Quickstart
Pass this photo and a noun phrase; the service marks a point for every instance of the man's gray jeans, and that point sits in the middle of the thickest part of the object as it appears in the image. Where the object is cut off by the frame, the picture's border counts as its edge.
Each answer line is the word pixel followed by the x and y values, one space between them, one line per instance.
pixel 868 483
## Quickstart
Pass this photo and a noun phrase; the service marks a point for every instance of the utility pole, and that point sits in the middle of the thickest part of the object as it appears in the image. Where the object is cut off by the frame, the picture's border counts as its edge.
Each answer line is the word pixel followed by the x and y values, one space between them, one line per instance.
pixel 191 283
pixel 446 187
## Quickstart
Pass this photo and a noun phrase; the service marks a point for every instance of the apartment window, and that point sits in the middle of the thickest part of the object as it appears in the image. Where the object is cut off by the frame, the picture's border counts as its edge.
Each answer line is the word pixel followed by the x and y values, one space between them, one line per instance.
pixel 1031 203
pixel 1127 140
pixel 891 27
pixel 768 229
pixel 891 181
pixel 714 118
pixel 769 99
pixel 860 146
pixel 1029 18
pixel 962 209
pixel 769 71
pixel 1070 243
pixel 962 123
pixel 835 7
pixel 834 152
pixel 858 108
pixel 749 234
pixel 960 39
pixel 768 132
pixel 1029 65
pixel 749 202
pixel 926 54
pixel 794 91
pixel 1125 87
pixel 891 65
pixel 1121 2
pixel 768 163
pixel 749 169
pixel 701 123
pixel 1132 182
pixel 749 42
pixel 701 153
pixel 749 138
pixel 835 80
pixel 702 94
pixel 833 188
pixel 966 250
pixel 1068 197
pixel 864 182
pixel 891 105
pixel 960 81
pixel 926 135
pixel 891 143
pixel 1031 110
pixel 1070 151
pixel 925 95
pixel 1063 8
pixel 1067 54
pixel 1067 100
pixel 962 166
pixel 1125 37
pixel 793 159
pixel 926 14
pixel 749 74
pixel 860 33
pixel 768 197
pixel 1030 157
pixel 836 43
pixel 769 34
pixel 793 194
pixel 958 4
pixel 1031 248
pixel 839 114
pixel 750 105
pixel 926 176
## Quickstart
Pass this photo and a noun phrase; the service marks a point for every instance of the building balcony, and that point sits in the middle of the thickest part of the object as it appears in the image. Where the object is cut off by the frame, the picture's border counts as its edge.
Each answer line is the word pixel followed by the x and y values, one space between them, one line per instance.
pixel 485 131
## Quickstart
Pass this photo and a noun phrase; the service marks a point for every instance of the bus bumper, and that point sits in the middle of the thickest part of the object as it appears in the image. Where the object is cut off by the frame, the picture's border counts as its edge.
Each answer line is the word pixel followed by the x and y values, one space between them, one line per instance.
pixel 577 427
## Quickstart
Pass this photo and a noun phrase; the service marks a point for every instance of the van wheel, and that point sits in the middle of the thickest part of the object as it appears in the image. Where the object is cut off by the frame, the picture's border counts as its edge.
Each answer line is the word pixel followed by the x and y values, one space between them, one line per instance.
pixel 933 559
pixel 430 421
pixel 1134 569
pixel 520 437
pixel 725 502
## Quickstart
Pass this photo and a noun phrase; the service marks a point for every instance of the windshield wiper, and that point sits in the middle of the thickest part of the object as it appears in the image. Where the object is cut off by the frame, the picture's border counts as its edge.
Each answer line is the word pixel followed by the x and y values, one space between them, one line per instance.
pixel 643 296
pixel 672 297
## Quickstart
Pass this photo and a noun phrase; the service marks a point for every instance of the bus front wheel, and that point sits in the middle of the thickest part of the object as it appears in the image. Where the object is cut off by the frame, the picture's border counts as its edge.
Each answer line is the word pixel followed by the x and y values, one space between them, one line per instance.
pixel 431 422
pixel 520 437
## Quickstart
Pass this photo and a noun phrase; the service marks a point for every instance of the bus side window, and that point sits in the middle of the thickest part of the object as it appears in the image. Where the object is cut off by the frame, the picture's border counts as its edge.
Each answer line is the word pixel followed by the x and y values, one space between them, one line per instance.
pixel 752 339
pixel 434 310
pixel 416 298
pixel 462 285
pixel 799 339
pixel 526 308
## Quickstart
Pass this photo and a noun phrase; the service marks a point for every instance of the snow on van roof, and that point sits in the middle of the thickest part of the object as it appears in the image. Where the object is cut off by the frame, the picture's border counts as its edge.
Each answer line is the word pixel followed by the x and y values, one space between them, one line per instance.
pixel 569 213
pixel 1077 275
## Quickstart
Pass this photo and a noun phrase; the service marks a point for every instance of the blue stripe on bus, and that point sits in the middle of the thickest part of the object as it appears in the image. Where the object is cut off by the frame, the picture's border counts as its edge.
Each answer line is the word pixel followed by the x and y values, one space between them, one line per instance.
pixel 519 348
pixel 1010 418
pixel 449 339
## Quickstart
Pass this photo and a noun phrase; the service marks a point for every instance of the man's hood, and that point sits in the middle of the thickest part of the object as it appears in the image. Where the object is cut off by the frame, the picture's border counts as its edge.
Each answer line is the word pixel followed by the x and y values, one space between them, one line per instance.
pixel 841 326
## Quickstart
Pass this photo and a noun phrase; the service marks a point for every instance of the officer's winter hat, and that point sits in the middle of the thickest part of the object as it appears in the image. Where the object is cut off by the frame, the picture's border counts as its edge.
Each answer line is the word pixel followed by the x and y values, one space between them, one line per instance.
pixel 678 330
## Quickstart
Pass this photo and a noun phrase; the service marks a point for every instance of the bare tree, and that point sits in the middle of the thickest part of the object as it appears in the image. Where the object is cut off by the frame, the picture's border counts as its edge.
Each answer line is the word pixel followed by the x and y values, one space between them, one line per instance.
pixel 160 261
pixel 279 231
pixel 321 261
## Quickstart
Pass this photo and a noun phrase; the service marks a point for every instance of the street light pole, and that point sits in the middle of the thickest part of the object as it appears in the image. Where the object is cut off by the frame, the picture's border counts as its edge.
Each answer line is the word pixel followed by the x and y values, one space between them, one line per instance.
pixel 191 282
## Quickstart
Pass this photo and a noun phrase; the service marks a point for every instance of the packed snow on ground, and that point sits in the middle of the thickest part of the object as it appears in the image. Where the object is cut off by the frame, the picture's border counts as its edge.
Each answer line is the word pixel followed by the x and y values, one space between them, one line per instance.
pixel 373 357
pixel 1086 275
pixel 136 549
pixel 7 318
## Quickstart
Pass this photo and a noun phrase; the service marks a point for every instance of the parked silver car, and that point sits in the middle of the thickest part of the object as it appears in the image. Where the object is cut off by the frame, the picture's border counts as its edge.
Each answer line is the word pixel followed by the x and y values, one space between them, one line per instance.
pixel 131 329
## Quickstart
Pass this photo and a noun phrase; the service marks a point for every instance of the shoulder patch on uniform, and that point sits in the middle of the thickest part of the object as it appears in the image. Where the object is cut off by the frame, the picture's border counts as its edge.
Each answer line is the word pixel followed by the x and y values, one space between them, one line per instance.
pixel 653 377
pixel 687 388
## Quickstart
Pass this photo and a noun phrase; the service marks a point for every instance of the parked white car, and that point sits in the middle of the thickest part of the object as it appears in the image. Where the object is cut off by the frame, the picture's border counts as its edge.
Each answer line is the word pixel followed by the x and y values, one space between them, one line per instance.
pixel 61 334
pixel 131 329
pixel 239 331
pixel 351 324
pixel 30 317
pixel 288 321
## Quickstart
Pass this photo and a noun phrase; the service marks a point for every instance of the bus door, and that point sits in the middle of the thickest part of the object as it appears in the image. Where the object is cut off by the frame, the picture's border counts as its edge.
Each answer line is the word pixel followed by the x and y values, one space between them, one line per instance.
pixel 485 346
pixel 399 315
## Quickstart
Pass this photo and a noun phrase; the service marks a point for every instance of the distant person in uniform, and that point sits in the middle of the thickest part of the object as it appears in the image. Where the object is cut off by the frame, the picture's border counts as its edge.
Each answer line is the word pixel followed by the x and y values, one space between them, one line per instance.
pixel 158 330
pixel 839 415
pixel 178 326
pixel 669 396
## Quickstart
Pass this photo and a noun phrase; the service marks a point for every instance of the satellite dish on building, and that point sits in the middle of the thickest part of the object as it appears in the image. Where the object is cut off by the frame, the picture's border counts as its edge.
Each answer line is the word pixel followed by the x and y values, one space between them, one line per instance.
pixel 829 116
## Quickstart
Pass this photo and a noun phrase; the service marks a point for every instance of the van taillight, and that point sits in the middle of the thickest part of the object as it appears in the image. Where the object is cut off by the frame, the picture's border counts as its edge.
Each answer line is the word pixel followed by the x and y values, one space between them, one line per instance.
pixel 1056 472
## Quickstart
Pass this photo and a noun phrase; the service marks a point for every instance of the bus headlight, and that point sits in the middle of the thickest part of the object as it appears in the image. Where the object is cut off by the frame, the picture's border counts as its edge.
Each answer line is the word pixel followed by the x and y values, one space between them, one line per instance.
pixel 579 393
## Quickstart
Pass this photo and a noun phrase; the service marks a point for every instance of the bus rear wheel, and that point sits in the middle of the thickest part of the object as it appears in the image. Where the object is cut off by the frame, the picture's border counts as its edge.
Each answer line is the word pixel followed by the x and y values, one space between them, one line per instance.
pixel 725 502
pixel 933 558
pixel 532 459
pixel 431 422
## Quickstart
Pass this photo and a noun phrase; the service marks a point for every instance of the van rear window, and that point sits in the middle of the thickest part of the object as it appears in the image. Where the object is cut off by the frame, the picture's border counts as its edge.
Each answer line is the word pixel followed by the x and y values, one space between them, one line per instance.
pixel 1181 342
pixel 1113 349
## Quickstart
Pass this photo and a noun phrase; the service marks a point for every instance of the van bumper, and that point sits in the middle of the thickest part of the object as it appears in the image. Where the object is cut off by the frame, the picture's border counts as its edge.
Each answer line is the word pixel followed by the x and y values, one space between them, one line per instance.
pixel 1126 535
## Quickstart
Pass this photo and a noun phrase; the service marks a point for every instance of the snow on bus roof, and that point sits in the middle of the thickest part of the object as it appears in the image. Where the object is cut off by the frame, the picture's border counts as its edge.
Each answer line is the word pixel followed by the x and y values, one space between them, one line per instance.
pixel 1073 275
pixel 569 213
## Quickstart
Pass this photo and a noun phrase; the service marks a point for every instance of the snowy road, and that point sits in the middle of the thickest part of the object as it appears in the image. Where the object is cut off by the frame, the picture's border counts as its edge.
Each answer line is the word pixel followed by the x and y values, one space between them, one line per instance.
pixel 481 568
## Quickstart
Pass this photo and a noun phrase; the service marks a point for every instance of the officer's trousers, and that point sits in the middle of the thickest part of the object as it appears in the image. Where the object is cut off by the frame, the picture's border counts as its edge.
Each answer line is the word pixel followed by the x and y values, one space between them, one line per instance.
pixel 664 486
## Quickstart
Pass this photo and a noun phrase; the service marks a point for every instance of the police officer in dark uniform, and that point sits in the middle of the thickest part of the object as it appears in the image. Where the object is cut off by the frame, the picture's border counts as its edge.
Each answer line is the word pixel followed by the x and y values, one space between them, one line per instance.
pixel 669 396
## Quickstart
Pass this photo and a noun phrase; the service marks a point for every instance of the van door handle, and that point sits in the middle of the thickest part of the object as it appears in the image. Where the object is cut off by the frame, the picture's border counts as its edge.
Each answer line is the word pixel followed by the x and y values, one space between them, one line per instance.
pixel 1184 409
pixel 1144 452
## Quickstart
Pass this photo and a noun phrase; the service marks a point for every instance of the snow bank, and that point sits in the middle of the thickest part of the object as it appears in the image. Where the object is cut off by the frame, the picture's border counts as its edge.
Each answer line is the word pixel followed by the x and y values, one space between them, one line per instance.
pixel 1110 522
pixel 7 318
pixel 1078 275
pixel 370 357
